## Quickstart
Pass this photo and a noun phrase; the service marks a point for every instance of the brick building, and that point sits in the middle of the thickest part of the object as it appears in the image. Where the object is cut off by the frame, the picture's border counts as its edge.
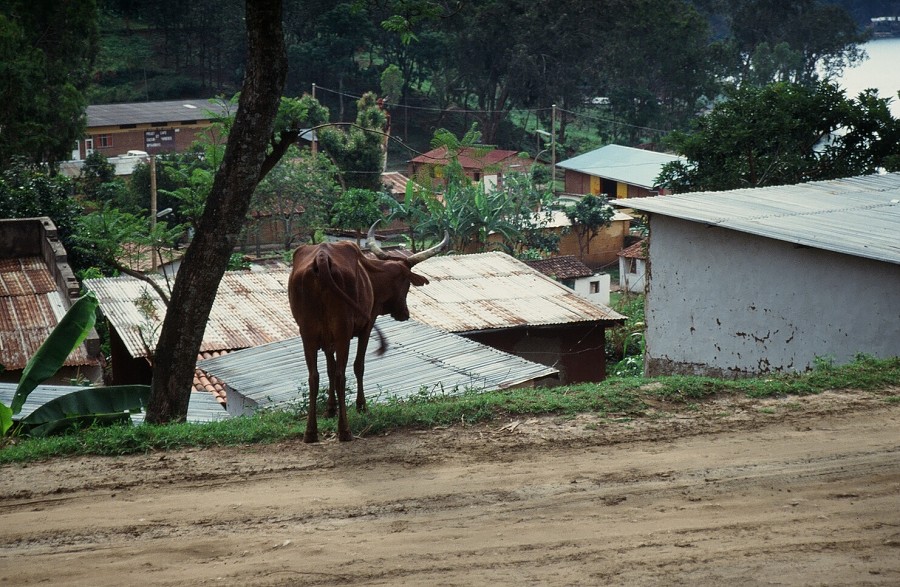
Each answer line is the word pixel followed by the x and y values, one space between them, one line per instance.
pixel 153 127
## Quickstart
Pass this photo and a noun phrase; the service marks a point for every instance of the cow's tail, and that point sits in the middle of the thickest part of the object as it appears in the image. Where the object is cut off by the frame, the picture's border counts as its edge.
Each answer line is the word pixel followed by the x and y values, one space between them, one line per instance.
pixel 323 268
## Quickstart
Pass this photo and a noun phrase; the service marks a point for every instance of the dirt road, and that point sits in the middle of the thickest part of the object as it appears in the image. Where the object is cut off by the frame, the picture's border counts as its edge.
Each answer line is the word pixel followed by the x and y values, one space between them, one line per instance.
pixel 798 491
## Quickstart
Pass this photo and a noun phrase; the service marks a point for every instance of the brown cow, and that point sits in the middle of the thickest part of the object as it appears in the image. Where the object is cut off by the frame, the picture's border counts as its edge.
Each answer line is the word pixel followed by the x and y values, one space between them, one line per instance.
pixel 336 294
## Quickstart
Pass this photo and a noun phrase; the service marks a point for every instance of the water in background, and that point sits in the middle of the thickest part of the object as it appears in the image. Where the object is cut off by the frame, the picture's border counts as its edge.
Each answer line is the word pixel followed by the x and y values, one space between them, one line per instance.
pixel 880 71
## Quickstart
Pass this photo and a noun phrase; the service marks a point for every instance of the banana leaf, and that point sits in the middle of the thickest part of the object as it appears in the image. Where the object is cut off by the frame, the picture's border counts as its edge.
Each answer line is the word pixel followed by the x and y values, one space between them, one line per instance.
pixel 87 407
pixel 5 419
pixel 68 334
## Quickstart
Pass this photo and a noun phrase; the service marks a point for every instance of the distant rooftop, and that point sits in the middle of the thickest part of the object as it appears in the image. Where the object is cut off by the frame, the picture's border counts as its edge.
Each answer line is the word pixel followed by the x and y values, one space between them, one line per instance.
pixel 623 164
pixel 562 267
pixel 857 216
pixel 149 112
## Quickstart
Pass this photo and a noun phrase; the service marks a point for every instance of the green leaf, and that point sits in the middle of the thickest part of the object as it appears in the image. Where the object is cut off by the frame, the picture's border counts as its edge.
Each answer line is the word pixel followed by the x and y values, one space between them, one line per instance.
pixel 5 418
pixel 88 406
pixel 68 334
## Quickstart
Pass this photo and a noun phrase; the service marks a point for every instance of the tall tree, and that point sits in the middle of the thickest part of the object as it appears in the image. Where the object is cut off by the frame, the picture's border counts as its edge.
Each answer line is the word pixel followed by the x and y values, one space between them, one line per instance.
pixel 48 48
pixel 791 40
pixel 358 151
pixel 784 134
pixel 246 159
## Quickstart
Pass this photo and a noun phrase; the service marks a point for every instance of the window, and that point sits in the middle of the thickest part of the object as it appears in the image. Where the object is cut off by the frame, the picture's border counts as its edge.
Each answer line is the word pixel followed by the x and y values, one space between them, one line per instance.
pixel 595 287
pixel 103 141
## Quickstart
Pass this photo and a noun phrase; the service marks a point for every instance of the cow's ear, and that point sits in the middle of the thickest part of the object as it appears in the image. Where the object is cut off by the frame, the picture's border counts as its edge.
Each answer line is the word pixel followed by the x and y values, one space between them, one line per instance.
pixel 416 279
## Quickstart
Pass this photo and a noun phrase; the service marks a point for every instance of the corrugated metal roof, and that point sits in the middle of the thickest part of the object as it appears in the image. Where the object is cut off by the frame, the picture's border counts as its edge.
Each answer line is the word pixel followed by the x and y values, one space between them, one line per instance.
pixel 202 407
pixel 488 291
pixel 30 308
pixel 251 308
pixel 149 112
pixel 418 357
pixel 625 164
pixel 857 216
pixel 467 292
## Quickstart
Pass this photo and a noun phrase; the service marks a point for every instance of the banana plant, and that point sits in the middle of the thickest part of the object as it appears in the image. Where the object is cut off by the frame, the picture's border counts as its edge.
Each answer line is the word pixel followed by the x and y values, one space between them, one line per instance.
pixel 91 405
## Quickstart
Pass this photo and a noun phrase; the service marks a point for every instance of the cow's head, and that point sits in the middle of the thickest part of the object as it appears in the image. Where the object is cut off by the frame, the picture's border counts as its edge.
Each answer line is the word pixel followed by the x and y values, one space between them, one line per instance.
pixel 391 292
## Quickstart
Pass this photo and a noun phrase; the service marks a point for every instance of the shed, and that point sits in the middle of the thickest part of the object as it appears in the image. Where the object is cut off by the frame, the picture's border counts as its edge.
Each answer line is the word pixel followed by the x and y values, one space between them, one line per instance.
pixel 500 301
pixel 766 280
pixel 617 171
pixel 633 267
pixel 419 360
pixel 572 273
pixel 37 287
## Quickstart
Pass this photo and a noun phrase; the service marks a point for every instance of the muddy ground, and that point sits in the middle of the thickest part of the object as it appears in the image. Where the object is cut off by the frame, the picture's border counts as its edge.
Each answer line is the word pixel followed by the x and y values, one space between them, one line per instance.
pixel 793 491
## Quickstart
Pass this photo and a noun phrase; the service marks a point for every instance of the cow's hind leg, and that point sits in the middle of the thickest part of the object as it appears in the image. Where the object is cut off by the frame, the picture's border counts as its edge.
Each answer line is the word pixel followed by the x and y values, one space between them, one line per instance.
pixel 359 367
pixel 340 386
pixel 312 429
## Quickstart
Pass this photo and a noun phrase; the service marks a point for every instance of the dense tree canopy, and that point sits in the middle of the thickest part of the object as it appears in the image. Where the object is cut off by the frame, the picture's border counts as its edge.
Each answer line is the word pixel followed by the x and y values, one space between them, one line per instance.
pixel 48 49
pixel 783 134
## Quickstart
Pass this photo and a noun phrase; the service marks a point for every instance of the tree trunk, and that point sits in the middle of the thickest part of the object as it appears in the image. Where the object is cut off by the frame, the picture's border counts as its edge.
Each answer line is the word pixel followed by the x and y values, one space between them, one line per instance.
pixel 227 205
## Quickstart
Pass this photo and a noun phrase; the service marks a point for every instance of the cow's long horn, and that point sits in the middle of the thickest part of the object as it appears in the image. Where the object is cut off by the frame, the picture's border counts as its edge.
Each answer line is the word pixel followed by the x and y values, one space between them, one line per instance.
pixel 373 244
pixel 428 253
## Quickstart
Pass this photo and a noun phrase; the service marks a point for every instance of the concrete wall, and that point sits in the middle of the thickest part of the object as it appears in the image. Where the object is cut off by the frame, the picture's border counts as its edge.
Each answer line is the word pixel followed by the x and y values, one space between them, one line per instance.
pixel 632 281
pixel 725 303
pixel 582 287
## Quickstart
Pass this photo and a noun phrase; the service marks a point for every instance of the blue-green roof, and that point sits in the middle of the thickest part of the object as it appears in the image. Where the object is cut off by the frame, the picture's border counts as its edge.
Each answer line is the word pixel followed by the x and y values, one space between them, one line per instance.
pixel 623 164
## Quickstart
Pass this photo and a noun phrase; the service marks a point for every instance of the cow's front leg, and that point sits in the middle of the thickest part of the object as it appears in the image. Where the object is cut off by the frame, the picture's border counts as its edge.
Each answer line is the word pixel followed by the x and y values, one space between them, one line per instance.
pixel 331 404
pixel 312 428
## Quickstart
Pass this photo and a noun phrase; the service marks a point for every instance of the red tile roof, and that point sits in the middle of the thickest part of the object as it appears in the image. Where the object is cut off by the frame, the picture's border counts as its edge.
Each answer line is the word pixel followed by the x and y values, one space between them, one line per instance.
pixel 636 251
pixel 469 158
pixel 562 267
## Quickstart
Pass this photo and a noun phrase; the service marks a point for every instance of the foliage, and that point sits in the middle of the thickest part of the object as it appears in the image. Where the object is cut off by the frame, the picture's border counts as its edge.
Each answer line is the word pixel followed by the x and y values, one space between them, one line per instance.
pixel 359 152
pixel 85 406
pixel 784 134
pixel 124 241
pixel 48 49
pixel 356 209
pixel 588 216
pixel 625 342
pixel 796 41
pixel 436 407
pixel 300 191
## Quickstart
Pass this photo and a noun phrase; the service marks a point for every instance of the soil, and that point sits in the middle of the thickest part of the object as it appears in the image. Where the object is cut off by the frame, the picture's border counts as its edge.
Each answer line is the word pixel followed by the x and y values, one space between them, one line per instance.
pixel 792 491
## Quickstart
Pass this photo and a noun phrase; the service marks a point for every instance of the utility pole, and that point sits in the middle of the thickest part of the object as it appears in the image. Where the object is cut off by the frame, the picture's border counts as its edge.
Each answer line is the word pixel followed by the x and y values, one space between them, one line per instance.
pixel 553 149
pixel 152 209
pixel 312 134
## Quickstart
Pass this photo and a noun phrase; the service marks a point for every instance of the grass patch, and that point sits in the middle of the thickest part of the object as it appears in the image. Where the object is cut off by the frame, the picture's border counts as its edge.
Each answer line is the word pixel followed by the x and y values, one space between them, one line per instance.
pixel 624 397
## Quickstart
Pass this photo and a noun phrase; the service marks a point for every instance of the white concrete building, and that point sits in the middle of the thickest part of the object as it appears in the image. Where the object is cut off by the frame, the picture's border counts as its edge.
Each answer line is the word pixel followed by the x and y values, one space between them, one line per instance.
pixel 766 280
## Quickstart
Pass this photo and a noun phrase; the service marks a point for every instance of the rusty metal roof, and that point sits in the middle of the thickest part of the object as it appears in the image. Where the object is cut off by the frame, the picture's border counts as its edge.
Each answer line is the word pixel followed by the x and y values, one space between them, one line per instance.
pixel 251 309
pixel 30 308
pixel 489 291
pixel 467 293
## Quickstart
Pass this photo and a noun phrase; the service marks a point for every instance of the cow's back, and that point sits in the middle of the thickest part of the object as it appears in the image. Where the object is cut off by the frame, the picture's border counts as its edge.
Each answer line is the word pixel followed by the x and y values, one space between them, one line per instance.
pixel 329 292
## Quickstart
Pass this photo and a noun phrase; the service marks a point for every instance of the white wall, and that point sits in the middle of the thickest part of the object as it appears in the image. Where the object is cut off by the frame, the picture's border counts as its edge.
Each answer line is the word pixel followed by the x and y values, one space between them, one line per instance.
pixel 633 282
pixel 583 288
pixel 722 303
